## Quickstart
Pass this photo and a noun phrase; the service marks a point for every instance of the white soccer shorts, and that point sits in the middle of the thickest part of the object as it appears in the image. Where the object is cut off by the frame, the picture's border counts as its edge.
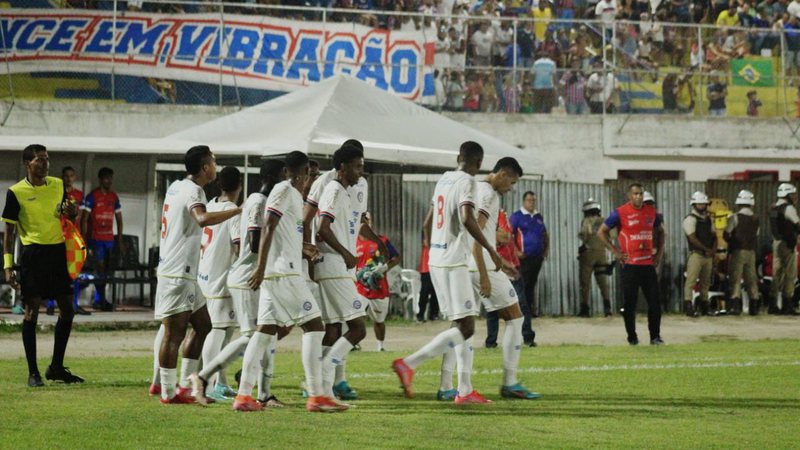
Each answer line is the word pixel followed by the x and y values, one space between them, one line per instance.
pixel 177 295
pixel 453 288
pixel 286 301
pixel 503 293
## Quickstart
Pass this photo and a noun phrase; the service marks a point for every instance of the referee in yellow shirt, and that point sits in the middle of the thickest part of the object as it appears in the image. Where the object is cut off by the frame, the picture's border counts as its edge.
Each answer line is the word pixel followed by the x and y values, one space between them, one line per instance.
pixel 33 210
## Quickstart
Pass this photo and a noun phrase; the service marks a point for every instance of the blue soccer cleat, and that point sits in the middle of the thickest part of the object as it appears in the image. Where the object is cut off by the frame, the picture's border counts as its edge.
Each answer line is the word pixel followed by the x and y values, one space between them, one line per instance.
pixel 343 391
pixel 447 395
pixel 223 390
pixel 518 391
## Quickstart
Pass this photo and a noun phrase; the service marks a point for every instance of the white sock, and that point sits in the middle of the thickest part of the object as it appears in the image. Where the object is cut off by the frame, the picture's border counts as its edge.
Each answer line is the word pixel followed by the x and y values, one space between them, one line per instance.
pixel 188 367
pixel 437 346
pixel 464 363
pixel 222 377
pixel 380 345
pixel 335 356
pixel 341 374
pixel 448 365
pixel 312 362
pixel 268 365
pixel 251 367
pixel 225 357
pixel 211 348
pixel 512 343
pixel 169 378
pixel 156 351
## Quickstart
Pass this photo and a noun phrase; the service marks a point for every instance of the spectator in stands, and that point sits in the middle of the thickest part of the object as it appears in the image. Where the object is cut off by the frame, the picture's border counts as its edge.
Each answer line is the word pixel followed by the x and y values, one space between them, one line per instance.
pixel 580 51
pixel 544 76
pixel 753 103
pixel 503 37
pixel 685 94
pixel 573 84
pixel 455 92
pixel 527 44
pixel 716 93
pixel 606 11
pixel 474 89
pixel 511 94
pixel 458 49
pixel 441 56
pixel 101 208
pixel 794 8
pixel 481 42
pixel 792 33
pixel 728 17
pixel 669 90
pixel 542 15
pixel 489 99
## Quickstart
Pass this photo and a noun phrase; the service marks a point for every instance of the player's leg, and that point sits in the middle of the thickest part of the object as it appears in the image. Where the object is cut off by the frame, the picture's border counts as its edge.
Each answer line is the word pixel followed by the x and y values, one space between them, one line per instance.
pixel 155 385
pixel 649 283
pixel 222 375
pixel 512 345
pixel 337 355
pixel 223 317
pixel 174 333
pixel 59 287
pixel 630 294
pixel 29 338
pixel 378 310
pixel 446 390
pixel 265 395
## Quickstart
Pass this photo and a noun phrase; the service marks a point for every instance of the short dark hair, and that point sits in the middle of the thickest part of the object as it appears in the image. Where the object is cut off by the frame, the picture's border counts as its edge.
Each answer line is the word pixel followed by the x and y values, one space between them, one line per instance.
pixel 105 172
pixel 633 185
pixel 272 171
pixel 313 163
pixel 296 160
pixel 471 151
pixel 527 193
pixel 195 158
pixel 66 169
pixel 29 152
pixel 229 178
pixel 355 143
pixel 508 164
pixel 346 154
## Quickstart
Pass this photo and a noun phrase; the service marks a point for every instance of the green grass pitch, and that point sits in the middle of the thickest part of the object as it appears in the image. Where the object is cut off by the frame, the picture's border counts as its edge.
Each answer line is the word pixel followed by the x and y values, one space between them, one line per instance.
pixel 709 395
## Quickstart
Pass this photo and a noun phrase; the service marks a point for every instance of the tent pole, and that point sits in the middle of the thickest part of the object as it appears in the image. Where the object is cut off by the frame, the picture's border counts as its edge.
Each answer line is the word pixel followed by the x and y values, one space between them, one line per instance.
pixel 246 174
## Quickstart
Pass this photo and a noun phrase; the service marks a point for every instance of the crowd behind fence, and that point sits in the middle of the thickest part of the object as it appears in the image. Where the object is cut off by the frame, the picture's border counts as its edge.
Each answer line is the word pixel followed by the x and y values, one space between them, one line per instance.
pixel 564 57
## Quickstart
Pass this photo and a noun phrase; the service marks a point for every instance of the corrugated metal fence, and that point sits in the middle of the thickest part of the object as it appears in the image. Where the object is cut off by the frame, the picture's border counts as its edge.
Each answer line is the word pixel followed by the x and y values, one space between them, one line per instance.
pixel 399 204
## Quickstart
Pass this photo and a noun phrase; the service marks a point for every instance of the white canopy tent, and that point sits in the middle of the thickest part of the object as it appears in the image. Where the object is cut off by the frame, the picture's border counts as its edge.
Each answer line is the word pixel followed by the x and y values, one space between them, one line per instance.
pixel 319 118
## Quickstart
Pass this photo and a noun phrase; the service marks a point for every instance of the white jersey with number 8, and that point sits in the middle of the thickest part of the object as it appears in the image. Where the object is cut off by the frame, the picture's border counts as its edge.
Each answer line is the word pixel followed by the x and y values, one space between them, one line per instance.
pixel 179 252
pixel 449 246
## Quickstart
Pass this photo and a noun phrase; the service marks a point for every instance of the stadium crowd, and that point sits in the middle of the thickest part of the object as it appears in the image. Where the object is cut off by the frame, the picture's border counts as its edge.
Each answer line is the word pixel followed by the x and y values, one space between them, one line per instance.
pixel 534 56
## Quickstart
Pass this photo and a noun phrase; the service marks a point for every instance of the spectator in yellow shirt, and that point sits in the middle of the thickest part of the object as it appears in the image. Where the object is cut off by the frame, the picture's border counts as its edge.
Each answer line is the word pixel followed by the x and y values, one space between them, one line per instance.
pixel 542 16
pixel 728 17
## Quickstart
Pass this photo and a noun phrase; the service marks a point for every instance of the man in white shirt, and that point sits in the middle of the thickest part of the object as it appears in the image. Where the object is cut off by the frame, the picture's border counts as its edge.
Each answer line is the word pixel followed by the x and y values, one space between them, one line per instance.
pixel 179 300
pixel 481 41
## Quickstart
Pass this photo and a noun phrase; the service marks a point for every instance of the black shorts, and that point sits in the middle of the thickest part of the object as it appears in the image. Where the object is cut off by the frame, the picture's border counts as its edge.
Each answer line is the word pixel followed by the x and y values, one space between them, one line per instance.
pixel 43 272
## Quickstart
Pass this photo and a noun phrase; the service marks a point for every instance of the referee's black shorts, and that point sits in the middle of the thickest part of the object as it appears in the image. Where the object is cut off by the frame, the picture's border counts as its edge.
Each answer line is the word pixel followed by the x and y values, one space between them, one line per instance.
pixel 43 272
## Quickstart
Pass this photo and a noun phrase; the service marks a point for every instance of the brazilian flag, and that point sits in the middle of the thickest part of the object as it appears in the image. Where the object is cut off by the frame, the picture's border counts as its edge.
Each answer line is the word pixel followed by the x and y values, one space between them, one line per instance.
pixel 752 72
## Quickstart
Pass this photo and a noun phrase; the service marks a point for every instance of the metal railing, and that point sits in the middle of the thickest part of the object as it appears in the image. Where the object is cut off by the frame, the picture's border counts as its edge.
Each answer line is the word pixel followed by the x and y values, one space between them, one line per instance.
pixel 602 68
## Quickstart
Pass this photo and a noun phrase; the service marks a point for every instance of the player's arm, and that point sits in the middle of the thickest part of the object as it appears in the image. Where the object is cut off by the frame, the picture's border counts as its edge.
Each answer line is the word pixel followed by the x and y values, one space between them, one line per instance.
pixel 471 225
pixel 263 250
pixel 477 254
pixel 309 211
pixel 85 217
pixel 118 217
pixel 370 235
pixel 660 238
pixel 394 256
pixel 546 237
pixel 427 226
pixel 8 255
pixel 206 219
pixel 327 236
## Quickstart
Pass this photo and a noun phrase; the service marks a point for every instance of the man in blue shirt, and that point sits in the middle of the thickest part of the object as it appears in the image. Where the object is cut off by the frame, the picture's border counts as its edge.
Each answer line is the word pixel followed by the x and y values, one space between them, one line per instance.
pixel 544 93
pixel 533 244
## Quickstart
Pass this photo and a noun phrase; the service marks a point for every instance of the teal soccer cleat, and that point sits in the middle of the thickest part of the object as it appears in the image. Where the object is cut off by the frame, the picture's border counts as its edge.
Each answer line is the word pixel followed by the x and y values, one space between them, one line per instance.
pixel 518 391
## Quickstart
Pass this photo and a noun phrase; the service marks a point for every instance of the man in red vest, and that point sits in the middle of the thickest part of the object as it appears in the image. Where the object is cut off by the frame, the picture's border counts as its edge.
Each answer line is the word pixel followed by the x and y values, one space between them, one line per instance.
pixel 640 249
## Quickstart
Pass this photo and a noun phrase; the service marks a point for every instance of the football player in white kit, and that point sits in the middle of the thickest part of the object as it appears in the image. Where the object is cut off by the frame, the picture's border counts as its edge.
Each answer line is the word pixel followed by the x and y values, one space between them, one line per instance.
pixel 492 287
pixel 311 220
pixel 219 250
pixel 285 299
pixel 178 297
pixel 245 299
pixel 448 224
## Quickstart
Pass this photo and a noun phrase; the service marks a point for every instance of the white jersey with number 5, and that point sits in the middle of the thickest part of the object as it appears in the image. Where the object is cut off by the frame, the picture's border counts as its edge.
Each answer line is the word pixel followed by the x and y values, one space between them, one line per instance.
pixel 488 205
pixel 449 238
pixel 286 251
pixel 216 253
pixel 179 252
pixel 252 219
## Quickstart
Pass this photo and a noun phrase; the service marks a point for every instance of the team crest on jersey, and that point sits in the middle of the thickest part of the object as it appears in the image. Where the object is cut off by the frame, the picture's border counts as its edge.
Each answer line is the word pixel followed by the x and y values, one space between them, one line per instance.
pixel 512 292
pixel 299 226
pixel 231 315
pixel 360 197
pixel 307 305
pixel 468 304
pixel 356 304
